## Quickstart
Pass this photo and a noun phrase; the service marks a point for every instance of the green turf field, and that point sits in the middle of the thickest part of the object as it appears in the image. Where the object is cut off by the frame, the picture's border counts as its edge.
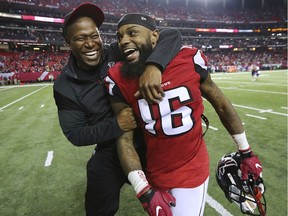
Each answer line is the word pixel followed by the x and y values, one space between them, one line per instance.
pixel 29 130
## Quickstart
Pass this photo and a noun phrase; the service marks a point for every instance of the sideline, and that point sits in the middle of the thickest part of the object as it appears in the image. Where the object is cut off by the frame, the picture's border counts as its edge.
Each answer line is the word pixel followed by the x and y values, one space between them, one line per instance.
pixel 1 109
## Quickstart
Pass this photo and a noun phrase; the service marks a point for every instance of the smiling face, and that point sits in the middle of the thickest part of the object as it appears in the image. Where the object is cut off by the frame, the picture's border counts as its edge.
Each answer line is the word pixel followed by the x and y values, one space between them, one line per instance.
pixel 85 42
pixel 136 43
pixel 132 38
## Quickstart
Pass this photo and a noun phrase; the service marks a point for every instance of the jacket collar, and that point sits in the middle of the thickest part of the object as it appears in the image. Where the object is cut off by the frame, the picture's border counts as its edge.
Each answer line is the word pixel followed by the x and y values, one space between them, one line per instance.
pixel 73 71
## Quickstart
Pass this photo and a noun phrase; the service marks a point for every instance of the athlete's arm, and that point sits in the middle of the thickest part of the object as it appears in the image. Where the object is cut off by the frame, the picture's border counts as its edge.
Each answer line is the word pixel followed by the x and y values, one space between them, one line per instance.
pixel 149 197
pixel 233 124
pixel 167 47
pixel 223 107
pixel 128 156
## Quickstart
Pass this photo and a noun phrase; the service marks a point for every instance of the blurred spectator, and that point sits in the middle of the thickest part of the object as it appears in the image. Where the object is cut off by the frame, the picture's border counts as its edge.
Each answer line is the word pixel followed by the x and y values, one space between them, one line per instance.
pixel 271 48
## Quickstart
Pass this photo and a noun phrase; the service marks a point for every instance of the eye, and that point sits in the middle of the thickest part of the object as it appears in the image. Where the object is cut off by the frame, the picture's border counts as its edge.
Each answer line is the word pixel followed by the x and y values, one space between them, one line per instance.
pixel 133 33
pixel 119 36
pixel 78 39
pixel 95 36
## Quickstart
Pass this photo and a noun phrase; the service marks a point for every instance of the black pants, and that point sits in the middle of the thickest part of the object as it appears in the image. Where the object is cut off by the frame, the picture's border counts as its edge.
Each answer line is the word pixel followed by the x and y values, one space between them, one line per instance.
pixel 105 179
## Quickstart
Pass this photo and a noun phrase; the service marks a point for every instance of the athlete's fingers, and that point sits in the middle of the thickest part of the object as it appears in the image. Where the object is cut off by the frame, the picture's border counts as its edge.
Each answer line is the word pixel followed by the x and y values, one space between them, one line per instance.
pixel 154 96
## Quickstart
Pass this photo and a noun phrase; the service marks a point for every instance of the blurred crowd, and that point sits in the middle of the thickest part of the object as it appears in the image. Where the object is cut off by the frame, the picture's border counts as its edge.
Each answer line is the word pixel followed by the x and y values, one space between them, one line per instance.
pixel 244 60
pixel 48 36
pixel 263 48
pixel 32 61
pixel 175 14
pixel 179 10
pixel 45 61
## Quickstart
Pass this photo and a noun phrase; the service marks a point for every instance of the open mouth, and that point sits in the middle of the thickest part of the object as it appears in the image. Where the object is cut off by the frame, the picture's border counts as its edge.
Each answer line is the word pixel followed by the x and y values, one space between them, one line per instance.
pixel 91 54
pixel 131 54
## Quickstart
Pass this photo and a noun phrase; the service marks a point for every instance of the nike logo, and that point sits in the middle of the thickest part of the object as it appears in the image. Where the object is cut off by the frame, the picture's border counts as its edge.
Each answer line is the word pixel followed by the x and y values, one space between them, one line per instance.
pixel 258 165
pixel 158 208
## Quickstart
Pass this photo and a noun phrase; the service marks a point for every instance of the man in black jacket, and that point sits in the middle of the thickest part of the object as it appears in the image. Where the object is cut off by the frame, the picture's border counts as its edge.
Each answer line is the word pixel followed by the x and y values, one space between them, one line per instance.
pixel 84 111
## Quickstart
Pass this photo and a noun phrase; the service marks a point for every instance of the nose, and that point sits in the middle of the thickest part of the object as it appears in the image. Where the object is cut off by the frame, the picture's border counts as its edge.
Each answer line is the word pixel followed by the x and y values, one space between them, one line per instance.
pixel 125 40
pixel 89 42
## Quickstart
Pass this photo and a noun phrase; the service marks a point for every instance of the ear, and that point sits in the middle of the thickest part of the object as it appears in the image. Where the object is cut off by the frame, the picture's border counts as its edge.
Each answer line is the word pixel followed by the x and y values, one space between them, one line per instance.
pixel 68 45
pixel 67 39
pixel 154 37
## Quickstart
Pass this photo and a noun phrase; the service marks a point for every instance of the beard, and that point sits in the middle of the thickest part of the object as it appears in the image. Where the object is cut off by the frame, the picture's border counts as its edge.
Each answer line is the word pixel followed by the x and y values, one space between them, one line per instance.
pixel 135 69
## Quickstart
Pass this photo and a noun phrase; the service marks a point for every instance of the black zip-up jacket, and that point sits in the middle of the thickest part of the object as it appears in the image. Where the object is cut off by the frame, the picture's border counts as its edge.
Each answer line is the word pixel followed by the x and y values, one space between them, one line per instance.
pixel 84 109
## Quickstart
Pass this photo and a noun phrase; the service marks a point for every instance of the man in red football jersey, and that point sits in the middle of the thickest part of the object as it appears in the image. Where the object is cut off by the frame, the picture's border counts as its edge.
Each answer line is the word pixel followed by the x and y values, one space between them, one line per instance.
pixel 177 158
pixel 84 110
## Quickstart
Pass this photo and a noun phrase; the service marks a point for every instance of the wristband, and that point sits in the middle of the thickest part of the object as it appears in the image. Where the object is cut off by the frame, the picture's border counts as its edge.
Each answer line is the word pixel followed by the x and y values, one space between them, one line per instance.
pixel 138 180
pixel 241 141
pixel 247 153
pixel 146 197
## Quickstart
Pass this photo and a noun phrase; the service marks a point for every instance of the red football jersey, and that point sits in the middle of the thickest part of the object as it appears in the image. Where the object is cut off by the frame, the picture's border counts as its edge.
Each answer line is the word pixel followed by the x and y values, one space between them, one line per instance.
pixel 176 152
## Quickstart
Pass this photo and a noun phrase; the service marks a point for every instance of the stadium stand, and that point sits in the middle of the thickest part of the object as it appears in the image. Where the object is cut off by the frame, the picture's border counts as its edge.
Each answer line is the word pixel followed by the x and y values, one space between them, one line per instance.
pixel 234 36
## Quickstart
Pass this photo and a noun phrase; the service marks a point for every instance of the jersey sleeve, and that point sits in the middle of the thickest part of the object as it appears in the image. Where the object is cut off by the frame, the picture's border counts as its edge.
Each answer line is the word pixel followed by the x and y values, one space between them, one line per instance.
pixel 113 88
pixel 168 46
pixel 200 63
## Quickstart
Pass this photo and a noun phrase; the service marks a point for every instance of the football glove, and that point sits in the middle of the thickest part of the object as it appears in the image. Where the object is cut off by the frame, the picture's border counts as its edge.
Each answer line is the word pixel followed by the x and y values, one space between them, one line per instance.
pixel 157 202
pixel 250 164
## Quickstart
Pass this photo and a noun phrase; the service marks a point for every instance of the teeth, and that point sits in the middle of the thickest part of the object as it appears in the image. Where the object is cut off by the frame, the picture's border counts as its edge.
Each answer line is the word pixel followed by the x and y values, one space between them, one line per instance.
pixel 129 50
pixel 91 53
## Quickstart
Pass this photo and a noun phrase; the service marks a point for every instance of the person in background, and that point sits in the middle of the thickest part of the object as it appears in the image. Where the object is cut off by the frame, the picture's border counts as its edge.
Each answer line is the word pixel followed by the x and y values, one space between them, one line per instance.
pixel 177 159
pixel 255 73
pixel 84 109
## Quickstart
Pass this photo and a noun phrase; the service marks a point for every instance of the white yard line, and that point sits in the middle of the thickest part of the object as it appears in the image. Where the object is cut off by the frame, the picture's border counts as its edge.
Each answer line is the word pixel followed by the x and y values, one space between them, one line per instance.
pixel 233 82
pixel 253 90
pixel 23 97
pixel 217 206
pixel 210 127
pixel 49 159
pixel 4 89
pixel 258 117
pixel 23 86
pixel 261 110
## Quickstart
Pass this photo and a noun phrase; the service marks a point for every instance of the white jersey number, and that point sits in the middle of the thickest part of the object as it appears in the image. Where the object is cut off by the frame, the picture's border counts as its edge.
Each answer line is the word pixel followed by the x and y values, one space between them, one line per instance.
pixel 168 114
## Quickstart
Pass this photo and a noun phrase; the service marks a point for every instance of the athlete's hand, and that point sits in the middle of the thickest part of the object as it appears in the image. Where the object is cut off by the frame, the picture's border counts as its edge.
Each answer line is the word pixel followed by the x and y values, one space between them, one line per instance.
pixel 150 85
pixel 250 165
pixel 126 120
pixel 157 202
